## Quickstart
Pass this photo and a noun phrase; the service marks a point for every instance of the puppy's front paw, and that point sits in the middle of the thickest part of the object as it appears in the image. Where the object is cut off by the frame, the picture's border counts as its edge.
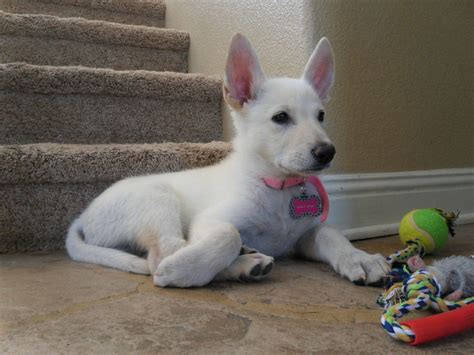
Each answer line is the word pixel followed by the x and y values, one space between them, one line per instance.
pixel 362 268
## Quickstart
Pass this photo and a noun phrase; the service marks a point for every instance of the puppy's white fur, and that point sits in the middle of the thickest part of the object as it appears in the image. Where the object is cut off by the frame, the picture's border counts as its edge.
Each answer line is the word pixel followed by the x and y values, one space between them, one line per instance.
pixel 193 223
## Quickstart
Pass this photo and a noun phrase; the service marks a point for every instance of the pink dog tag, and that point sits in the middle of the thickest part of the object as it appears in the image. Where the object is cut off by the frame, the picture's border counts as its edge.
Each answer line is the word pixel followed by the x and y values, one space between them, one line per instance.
pixel 305 205
pixel 314 205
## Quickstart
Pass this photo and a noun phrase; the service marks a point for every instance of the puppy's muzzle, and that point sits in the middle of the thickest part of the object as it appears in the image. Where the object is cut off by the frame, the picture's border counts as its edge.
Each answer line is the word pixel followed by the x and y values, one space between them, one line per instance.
pixel 323 153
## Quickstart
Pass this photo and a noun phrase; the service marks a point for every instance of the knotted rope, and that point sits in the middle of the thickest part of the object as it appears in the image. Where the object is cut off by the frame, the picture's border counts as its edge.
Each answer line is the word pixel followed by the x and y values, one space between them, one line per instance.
pixel 420 291
pixel 414 247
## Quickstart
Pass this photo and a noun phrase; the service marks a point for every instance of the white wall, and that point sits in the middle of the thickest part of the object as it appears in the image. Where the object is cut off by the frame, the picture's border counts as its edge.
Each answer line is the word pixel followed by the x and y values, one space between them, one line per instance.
pixel 280 31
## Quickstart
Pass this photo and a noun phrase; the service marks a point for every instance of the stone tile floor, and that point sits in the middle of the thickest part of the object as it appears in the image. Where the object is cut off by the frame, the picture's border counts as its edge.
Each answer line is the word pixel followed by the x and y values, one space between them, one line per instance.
pixel 49 304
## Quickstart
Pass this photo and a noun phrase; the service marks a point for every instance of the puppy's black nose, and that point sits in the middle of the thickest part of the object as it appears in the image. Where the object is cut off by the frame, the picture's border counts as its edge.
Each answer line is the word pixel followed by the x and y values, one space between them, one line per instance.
pixel 323 153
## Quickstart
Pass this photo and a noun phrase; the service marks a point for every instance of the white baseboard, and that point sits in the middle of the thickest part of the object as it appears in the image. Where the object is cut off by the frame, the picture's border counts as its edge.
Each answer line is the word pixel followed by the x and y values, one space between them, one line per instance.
pixel 372 205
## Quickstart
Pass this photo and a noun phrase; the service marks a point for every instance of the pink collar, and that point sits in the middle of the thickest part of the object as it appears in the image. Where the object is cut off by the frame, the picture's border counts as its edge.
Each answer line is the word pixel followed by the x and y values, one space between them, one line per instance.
pixel 279 184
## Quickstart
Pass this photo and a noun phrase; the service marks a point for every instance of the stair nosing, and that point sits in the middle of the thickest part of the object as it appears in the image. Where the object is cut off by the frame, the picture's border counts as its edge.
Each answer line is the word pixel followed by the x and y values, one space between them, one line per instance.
pixel 72 28
pixel 136 8
pixel 37 163
pixel 38 79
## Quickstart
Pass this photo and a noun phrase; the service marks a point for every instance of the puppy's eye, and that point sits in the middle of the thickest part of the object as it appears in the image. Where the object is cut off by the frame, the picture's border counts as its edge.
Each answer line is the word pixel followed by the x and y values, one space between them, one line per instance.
pixel 281 118
pixel 321 116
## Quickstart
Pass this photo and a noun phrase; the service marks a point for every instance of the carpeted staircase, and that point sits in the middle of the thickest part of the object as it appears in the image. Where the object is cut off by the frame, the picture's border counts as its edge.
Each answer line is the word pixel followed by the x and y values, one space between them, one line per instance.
pixel 139 12
pixel 92 92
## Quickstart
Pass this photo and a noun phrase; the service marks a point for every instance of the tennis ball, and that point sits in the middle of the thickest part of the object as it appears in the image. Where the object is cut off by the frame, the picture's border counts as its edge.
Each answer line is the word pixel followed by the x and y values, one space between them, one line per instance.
pixel 428 225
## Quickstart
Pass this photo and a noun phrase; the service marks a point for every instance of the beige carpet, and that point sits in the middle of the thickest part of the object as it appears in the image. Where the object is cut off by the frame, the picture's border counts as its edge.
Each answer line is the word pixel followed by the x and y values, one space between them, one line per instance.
pixel 133 12
pixel 50 40
pixel 72 123
pixel 43 187
pixel 97 106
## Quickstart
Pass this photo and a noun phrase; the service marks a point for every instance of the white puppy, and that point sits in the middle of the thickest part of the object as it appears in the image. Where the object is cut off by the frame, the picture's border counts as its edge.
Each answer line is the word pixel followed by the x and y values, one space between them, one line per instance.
pixel 193 224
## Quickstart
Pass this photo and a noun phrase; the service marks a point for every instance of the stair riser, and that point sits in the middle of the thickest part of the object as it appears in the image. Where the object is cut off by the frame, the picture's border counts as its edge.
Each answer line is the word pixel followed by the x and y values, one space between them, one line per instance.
pixel 44 187
pixel 96 119
pixel 59 52
pixel 68 41
pixel 90 13
pixel 44 51
pixel 36 217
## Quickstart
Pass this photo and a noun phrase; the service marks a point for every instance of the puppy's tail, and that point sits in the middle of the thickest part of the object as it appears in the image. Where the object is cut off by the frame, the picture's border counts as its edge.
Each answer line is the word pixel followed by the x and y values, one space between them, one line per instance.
pixel 79 250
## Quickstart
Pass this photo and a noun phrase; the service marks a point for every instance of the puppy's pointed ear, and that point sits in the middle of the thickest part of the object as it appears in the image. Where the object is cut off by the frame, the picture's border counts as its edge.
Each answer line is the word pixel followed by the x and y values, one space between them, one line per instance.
pixel 243 74
pixel 319 71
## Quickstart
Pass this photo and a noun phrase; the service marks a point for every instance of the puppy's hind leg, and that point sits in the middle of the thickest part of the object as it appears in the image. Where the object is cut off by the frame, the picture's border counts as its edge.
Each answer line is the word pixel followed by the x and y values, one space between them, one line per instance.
pixel 79 250
pixel 143 218
pixel 213 246
pixel 162 234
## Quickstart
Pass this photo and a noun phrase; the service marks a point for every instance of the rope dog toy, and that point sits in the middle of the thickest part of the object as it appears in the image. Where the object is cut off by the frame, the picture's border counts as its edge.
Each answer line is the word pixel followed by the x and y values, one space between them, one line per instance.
pixel 426 231
pixel 421 291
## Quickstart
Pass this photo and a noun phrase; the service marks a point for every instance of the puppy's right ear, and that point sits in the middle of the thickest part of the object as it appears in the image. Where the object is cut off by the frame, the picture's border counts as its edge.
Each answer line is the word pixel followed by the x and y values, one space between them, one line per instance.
pixel 243 74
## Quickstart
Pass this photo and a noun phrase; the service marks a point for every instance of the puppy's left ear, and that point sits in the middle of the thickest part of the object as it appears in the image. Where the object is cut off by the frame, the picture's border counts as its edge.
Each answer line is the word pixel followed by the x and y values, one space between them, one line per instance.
pixel 319 71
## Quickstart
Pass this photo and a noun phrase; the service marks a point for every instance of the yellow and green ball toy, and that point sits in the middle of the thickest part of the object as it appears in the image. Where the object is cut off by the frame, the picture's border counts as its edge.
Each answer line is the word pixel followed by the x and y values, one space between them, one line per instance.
pixel 430 226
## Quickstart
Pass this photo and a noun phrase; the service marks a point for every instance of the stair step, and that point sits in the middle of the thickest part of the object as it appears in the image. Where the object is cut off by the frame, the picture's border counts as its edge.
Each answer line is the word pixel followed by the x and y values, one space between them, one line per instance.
pixel 49 40
pixel 132 12
pixel 96 106
pixel 43 187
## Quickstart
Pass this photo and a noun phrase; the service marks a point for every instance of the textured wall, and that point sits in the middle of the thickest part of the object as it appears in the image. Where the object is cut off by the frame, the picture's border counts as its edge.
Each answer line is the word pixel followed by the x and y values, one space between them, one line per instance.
pixel 274 27
pixel 404 83
pixel 404 70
